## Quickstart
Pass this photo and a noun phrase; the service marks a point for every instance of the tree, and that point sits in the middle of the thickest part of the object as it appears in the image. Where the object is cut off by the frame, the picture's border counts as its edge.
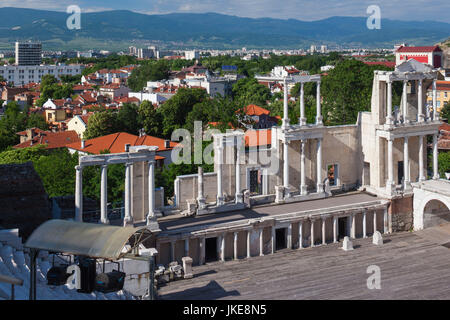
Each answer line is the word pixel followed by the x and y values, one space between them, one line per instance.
pixel 248 91
pixel 444 163
pixel 149 71
pixel 150 118
pixel 175 109
pixel 36 120
pixel 445 112
pixel 347 90
pixel 128 119
pixel 100 124
pixel 14 120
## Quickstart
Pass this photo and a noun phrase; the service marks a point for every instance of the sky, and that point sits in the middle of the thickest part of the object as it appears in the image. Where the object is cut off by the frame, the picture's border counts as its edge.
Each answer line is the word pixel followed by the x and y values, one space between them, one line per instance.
pixel 307 10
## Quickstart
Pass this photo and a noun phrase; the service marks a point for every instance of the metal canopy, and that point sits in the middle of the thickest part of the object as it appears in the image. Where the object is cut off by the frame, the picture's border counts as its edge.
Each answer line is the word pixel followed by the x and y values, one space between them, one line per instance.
pixel 85 239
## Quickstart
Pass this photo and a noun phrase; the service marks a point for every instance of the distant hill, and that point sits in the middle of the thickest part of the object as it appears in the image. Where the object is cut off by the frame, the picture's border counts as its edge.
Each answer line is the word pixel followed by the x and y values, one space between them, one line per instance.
pixel 211 30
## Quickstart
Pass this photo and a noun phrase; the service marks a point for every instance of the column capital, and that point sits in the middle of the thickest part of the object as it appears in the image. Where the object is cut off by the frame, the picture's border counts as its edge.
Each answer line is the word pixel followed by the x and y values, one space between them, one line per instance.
pixel 78 168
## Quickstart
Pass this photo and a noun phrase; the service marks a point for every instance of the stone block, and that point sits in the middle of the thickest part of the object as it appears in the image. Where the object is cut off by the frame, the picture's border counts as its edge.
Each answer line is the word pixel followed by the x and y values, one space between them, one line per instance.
pixel 347 245
pixel 377 238
pixel 187 267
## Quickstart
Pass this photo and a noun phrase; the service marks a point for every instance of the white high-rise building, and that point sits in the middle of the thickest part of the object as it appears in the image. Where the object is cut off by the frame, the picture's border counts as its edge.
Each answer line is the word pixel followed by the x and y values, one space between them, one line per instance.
pixel 193 54
pixel 28 53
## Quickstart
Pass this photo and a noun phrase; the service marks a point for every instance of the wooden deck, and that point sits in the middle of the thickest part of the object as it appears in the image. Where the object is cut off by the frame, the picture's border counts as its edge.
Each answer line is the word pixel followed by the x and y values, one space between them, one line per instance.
pixel 413 266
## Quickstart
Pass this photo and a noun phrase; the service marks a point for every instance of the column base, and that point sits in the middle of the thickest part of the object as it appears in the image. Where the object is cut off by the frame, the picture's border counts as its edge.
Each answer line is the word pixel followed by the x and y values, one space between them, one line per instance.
pixel 287 193
pixel 128 222
pixel 152 223
pixel 220 201
pixel 319 121
pixel 201 203
pixel 285 123
pixel 106 221
pixel 436 177
pixel 407 186
pixel 390 188
pixel 239 198
pixel 304 190
pixel 279 191
pixel 302 121
pixel 320 187
pixel 389 121
pixel 421 118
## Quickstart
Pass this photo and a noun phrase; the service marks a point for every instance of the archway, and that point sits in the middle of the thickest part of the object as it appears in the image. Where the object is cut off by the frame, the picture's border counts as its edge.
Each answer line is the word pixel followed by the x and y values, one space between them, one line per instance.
pixel 435 213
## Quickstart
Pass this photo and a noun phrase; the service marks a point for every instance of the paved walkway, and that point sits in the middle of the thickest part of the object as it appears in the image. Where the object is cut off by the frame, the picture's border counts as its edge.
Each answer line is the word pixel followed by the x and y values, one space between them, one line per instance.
pixel 413 266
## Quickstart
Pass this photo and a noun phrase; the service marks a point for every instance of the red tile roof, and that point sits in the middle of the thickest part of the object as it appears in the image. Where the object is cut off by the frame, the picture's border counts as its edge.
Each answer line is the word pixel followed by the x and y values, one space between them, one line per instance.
pixel 420 49
pixel 254 110
pixel 53 140
pixel 443 85
pixel 116 142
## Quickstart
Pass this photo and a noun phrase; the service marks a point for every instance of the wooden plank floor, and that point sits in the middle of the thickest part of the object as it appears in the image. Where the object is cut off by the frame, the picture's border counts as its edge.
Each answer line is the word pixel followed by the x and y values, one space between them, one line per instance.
pixel 412 267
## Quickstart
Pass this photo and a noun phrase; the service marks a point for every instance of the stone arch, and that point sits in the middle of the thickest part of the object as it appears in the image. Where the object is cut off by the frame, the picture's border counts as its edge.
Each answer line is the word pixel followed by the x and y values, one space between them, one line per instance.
pixel 432 210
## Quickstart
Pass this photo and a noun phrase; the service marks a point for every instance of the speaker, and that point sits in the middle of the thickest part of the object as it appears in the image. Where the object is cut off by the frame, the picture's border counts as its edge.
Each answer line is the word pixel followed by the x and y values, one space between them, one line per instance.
pixel 57 276
pixel 88 273
pixel 110 282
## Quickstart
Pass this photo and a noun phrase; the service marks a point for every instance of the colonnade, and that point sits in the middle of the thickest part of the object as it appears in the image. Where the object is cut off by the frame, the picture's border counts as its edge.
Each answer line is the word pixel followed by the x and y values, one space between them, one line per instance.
pixel 390 183
pixel 128 219
pixel 300 244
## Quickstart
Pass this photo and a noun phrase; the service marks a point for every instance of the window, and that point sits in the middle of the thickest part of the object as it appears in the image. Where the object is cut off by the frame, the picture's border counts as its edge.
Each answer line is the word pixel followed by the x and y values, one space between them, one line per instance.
pixel 445 94
pixel 255 182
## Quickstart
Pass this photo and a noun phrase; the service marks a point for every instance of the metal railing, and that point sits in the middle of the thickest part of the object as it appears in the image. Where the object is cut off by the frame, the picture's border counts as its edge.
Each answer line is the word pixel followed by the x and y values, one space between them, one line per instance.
pixel 13 282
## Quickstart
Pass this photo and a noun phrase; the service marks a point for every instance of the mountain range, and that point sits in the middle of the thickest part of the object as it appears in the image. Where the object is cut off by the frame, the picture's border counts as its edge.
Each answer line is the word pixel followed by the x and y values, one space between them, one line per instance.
pixel 208 30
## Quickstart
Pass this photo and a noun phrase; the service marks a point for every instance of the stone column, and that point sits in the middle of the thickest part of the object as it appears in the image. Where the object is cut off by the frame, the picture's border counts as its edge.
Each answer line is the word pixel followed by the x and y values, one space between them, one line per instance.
pixel 286 169
pixel 353 231
pixel 386 220
pixel 390 184
pixel 248 243
pixel 374 221
pixel 435 157
pixel 364 223
pixel 220 200
pixel 172 250
pixel 302 120
pixel 261 242
pixel 303 186
pixel 128 220
pixel 319 166
pixel 389 118
pixel 200 193
pixel 319 106
pixel 202 251
pixel 151 217
pixel 420 114
pixel 312 233
pixel 300 234
pixel 273 240
pixel 335 229
pixel 407 180
pixel 405 102
pixel 324 240
pixel 222 247
pixel 434 117
pixel 421 165
pixel 186 247
pixel 79 194
pixel 104 195
pixel 235 245
pixel 285 105
pixel 238 197
pixel 289 236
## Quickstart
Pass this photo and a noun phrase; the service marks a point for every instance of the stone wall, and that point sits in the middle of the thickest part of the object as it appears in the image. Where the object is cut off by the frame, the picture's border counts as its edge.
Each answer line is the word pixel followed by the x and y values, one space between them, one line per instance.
pixel 23 201
pixel 401 213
